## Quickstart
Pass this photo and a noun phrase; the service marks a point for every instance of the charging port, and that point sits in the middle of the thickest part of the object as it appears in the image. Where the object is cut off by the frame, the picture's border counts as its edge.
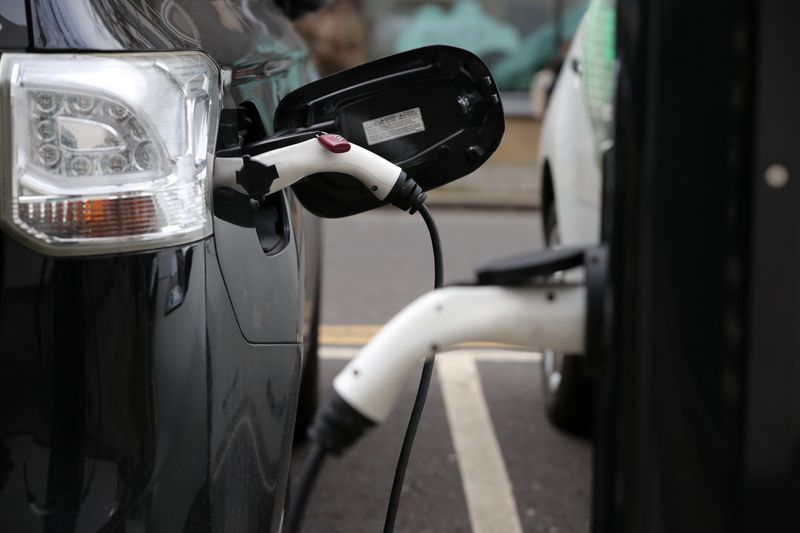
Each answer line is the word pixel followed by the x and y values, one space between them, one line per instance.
pixel 271 222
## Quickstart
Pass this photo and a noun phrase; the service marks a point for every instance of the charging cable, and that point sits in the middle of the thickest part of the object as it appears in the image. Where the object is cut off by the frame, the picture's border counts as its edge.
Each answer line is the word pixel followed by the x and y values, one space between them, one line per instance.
pixel 350 424
pixel 422 390
pixel 274 164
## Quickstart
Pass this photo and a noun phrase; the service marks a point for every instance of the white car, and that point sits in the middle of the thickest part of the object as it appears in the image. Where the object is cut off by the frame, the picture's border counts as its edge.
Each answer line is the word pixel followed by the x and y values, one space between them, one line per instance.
pixel 575 133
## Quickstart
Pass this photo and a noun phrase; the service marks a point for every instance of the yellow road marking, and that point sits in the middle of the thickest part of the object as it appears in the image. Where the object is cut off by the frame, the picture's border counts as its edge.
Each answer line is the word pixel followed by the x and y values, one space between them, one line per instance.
pixel 347 334
pixel 360 334
pixel 345 353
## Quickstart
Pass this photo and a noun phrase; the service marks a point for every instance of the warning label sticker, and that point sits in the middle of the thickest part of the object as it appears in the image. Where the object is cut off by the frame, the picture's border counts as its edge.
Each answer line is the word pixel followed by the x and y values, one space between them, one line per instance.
pixel 393 126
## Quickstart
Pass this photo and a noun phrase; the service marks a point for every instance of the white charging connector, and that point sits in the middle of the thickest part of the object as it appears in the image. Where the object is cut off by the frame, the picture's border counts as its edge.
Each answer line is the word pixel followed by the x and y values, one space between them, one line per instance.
pixel 529 317
pixel 277 169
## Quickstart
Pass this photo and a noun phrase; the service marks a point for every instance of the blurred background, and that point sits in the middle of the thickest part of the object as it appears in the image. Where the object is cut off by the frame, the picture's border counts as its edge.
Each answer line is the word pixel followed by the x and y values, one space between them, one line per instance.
pixel 517 39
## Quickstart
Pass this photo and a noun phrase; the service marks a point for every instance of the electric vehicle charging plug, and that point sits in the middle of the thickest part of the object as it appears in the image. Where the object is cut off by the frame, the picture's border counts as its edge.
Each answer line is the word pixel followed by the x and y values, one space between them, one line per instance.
pixel 544 316
pixel 365 391
pixel 514 302
pixel 260 174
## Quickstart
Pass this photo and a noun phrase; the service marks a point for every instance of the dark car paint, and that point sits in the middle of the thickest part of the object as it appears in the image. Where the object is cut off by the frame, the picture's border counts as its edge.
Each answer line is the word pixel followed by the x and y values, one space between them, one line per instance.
pixel 103 391
pixel 156 391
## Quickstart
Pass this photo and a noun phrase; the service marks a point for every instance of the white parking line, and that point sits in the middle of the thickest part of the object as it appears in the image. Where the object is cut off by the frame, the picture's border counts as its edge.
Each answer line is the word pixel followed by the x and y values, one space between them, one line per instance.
pixel 487 487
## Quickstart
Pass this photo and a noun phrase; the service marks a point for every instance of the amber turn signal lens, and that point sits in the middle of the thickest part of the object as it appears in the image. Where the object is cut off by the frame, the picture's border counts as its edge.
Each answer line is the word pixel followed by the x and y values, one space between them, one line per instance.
pixel 93 218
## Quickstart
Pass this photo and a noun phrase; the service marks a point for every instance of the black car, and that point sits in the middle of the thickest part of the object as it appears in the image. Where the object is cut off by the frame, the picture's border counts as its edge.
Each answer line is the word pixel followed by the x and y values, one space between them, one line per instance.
pixel 158 330
pixel 150 352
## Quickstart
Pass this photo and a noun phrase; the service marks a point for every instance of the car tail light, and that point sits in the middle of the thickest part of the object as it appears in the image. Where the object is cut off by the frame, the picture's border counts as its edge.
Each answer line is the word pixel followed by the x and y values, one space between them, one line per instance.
pixel 105 153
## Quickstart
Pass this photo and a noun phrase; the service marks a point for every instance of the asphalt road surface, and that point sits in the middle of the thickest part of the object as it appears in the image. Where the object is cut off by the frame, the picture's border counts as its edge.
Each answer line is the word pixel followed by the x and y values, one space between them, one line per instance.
pixel 485 460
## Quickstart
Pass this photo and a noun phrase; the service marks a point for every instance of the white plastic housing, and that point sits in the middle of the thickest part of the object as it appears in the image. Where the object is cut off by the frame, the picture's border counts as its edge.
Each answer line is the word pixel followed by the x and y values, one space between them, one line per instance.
pixel 103 153
pixel 535 318
pixel 297 161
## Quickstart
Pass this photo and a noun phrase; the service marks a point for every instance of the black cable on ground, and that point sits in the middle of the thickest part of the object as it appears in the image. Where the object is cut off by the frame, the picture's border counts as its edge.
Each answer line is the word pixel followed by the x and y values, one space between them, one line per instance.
pixel 337 425
pixel 311 468
pixel 422 391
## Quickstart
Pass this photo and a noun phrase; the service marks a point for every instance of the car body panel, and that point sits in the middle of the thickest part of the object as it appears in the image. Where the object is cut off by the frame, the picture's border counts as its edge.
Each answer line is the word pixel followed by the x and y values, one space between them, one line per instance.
pixel 104 390
pixel 254 389
pixel 567 147
pixel 157 391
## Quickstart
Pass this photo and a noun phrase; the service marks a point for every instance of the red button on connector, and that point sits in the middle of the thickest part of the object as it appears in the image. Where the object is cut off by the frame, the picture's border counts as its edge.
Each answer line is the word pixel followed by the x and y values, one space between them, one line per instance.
pixel 335 143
